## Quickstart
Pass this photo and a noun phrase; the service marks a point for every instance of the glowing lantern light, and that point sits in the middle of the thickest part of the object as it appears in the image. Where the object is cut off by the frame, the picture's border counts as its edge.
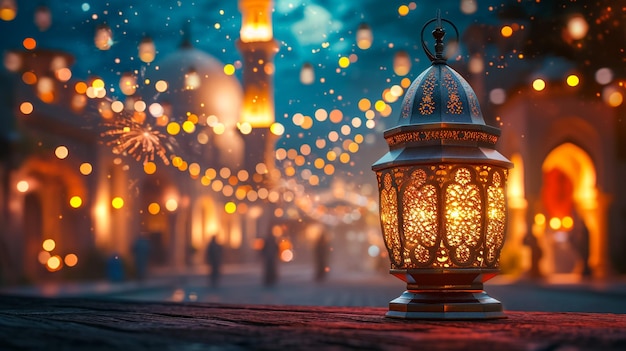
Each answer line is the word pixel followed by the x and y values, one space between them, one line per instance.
pixel 103 39
pixel 364 36
pixel 45 89
pixel 8 10
pixel 230 207
pixel 128 84
pixel 577 27
pixel 401 63
pixel 43 18
pixel 192 79
pixel 147 50
pixel 307 74
pixel 442 189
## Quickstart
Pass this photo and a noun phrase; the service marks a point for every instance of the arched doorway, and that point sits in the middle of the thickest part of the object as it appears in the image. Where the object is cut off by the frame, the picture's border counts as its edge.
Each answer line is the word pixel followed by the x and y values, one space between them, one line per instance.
pixel 570 230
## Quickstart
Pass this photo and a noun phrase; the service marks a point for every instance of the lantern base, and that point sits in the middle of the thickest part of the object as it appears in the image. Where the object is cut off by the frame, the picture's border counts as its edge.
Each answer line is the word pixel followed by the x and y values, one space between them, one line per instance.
pixel 445 294
pixel 445 305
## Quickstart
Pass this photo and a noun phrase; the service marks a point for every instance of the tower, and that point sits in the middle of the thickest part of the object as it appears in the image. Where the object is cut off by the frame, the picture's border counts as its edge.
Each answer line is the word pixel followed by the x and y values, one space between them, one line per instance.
pixel 258 47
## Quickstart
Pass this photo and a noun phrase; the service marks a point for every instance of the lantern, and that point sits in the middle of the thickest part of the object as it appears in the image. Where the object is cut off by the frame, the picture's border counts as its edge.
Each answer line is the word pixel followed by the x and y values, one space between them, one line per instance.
pixel 147 50
pixel 128 84
pixel 103 39
pixel 8 10
pixel 307 74
pixel 401 63
pixel 442 197
pixel 364 36
pixel 43 18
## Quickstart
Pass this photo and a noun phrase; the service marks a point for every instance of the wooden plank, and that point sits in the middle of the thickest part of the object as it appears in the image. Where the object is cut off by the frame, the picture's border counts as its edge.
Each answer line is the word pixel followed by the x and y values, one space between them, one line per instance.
pixel 37 323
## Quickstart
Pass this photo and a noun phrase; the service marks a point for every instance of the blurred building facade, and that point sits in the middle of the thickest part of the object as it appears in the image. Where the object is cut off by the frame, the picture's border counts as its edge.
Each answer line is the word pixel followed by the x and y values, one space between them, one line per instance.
pixel 66 197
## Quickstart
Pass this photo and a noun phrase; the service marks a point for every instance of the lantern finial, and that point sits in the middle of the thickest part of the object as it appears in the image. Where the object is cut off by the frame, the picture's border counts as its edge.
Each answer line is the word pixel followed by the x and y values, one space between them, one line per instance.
pixel 438 34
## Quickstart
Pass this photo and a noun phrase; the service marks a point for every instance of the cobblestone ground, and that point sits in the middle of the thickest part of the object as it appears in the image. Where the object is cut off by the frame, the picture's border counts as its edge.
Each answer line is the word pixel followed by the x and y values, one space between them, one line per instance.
pixel 296 287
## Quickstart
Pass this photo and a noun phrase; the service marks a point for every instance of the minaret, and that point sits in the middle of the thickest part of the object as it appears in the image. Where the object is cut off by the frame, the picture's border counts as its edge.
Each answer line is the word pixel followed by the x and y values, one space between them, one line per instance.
pixel 258 47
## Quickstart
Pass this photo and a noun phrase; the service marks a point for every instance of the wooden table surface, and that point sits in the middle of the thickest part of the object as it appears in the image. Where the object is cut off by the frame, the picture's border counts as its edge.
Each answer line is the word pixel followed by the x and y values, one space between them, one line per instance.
pixel 28 323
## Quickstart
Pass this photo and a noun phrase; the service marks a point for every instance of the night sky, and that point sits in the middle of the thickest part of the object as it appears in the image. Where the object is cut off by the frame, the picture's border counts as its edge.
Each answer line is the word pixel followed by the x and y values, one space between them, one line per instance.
pixel 319 32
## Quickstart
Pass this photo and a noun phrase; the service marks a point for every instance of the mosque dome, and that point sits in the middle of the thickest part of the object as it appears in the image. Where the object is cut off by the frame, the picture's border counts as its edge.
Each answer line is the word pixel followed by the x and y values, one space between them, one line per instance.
pixel 212 93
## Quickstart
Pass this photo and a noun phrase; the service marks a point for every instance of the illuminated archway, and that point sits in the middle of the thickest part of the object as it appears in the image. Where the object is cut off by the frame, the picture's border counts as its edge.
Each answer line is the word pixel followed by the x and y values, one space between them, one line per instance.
pixel 569 189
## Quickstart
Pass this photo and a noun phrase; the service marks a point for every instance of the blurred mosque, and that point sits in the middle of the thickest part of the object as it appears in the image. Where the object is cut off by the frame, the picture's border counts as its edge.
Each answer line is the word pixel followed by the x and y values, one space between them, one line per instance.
pixel 58 209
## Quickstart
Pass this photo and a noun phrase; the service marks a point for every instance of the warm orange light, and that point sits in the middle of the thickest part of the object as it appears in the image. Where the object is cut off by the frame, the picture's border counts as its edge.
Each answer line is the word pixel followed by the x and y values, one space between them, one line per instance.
pixel 230 207
pixel 61 152
pixel 506 31
pixel 29 43
pixel 76 201
pixel 229 69
pixel 555 223
pixel 539 84
pixel 171 205
pixel 117 203
pixel 86 168
pixel 26 108
pixel 154 208
pixel 54 263
pixel 48 245
pixel 22 186
pixel 572 80
pixel 149 167
pixel 567 222
pixel 403 10
pixel 147 50
pixel 364 36
pixel 71 260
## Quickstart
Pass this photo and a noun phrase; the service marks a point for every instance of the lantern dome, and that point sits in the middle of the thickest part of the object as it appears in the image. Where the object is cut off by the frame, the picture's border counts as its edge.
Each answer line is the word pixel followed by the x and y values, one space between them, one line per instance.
pixel 440 94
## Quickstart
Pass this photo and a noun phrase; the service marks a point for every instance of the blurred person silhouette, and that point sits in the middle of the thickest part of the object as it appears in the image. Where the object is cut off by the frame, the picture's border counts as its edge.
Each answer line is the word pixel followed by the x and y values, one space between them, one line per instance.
pixel 214 253
pixel 535 255
pixel 321 253
pixel 580 241
pixel 269 254
pixel 141 255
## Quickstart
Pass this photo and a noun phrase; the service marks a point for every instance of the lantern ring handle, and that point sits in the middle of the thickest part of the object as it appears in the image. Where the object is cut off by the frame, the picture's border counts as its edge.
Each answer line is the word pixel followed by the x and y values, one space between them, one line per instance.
pixel 438 56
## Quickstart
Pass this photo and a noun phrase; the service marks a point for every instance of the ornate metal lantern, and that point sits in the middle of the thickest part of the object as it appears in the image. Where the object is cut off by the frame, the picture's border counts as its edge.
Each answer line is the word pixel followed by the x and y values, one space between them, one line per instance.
pixel 442 197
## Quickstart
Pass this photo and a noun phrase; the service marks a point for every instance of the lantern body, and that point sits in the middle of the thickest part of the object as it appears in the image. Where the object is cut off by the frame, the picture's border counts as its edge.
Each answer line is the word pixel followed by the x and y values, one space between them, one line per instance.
pixel 442 189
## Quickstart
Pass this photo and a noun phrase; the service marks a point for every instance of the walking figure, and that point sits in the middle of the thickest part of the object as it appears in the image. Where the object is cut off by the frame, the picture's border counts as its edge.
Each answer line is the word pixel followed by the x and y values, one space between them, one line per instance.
pixel 270 256
pixel 321 253
pixel 214 259
pixel 141 254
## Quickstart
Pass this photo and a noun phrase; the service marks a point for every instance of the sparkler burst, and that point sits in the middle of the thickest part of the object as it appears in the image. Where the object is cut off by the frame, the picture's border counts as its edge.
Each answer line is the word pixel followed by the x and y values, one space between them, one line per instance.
pixel 139 140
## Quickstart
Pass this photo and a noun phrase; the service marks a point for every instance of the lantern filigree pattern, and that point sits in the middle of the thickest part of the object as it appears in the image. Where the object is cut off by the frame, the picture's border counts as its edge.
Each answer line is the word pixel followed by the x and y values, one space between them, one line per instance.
pixel 419 220
pixel 473 213
pixel 389 220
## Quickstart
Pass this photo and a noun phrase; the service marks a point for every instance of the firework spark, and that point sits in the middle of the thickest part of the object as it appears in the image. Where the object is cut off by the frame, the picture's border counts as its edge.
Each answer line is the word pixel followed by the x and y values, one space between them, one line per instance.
pixel 138 140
